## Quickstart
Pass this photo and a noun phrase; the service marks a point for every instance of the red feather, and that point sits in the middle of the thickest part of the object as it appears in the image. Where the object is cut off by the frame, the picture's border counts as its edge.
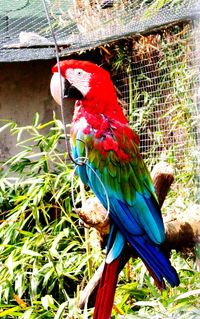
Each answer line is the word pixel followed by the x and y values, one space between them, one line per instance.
pixel 106 290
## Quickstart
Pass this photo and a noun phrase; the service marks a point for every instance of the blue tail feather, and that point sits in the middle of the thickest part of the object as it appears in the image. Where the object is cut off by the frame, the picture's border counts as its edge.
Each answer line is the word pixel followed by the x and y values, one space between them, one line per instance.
pixel 156 260
pixel 151 254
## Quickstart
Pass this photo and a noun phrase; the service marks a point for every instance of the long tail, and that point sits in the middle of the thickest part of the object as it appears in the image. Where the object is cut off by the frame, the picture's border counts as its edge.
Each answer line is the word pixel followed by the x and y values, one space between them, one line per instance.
pixel 156 262
pixel 152 255
pixel 106 291
pixel 107 285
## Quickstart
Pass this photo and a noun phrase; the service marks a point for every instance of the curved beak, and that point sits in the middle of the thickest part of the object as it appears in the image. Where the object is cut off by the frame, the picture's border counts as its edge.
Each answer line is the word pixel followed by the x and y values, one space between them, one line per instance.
pixel 69 91
pixel 55 87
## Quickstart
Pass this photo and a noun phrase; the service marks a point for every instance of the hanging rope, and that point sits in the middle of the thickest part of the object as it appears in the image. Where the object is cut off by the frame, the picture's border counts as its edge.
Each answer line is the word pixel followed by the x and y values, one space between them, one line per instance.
pixel 67 139
pixel 101 183
pixel 79 161
pixel 60 78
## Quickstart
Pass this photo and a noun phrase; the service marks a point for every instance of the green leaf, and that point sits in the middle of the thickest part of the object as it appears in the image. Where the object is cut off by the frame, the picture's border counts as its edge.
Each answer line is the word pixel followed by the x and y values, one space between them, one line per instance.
pixel 12 311
pixel 60 311
pixel 36 119
pixel 188 294
pixel 4 127
pixel 48 302
pixel 27 314
pixel 30 252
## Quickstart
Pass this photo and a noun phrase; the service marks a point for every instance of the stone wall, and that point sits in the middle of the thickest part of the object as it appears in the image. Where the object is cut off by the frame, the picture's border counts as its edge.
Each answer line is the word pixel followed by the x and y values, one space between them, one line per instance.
pixel 24 90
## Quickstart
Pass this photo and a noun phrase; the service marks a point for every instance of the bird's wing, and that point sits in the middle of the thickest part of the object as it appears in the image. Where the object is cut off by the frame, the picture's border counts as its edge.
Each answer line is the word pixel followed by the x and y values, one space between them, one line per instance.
pixel 114 157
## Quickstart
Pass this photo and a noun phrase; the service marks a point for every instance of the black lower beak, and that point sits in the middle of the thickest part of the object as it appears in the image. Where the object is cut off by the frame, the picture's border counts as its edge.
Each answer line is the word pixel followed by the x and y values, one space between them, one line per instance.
pixel 71 92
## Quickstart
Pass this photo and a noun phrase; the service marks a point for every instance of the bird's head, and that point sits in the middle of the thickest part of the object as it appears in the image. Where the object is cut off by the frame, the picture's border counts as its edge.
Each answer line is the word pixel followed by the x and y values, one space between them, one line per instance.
pixel 86 82
pixel 80 80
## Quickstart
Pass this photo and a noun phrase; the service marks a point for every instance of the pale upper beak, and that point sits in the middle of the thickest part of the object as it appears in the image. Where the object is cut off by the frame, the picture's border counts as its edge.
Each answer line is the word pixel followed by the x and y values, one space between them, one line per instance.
pixel 69 91
pixel 55 87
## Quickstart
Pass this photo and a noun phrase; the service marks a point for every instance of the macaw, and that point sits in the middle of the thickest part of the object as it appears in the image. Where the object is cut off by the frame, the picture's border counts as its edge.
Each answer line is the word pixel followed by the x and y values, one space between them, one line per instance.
pixel 99 124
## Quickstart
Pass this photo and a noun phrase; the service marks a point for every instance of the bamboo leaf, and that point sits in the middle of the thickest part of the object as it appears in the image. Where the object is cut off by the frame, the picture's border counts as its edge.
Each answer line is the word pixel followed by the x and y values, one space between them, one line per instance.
pixel 4 127
pixel 27 314
pixel 47 302
pixel 11 311
pixel 61 309
pixel 188 294
pixel 36 119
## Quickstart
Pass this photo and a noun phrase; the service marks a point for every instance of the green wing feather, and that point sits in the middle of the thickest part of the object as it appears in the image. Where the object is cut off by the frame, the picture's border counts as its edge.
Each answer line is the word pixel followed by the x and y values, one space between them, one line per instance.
pixel 125 179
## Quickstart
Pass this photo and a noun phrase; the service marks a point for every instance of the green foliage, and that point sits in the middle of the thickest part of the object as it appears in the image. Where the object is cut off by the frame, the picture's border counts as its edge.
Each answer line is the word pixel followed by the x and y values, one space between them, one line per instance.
pixel 139 298
pixel 44 263
pixel 42 248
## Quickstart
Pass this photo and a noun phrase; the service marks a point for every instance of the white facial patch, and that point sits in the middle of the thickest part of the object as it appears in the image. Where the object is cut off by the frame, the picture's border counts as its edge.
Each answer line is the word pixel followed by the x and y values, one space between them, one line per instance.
pixel 80 79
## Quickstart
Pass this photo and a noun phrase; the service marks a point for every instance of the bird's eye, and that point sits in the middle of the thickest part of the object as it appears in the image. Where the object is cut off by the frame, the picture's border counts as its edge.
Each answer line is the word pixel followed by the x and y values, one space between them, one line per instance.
pixel 79 72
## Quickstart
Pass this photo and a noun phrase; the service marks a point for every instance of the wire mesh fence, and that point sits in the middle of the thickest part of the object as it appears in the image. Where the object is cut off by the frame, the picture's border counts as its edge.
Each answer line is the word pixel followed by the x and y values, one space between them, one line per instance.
pixel 158 82
pixel 80 24
pixel 157 67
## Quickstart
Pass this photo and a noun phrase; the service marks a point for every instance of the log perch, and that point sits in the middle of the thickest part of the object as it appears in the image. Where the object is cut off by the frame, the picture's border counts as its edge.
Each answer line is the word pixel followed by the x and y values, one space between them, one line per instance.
pixel 180 234
pixel 162 176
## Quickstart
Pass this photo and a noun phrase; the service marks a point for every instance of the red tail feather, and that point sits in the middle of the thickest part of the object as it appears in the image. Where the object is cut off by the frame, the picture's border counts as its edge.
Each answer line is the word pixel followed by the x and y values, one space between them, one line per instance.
pixel 106 290
pixel 160 284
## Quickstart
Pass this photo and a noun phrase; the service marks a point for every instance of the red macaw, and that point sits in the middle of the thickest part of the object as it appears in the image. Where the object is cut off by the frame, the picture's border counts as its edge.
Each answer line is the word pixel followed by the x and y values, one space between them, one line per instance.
pixel 113 153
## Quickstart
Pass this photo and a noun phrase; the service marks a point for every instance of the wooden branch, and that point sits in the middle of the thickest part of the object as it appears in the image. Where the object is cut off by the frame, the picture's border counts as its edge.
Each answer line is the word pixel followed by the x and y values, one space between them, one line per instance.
pixel 179 233
pixel 182 234
pixel 162 176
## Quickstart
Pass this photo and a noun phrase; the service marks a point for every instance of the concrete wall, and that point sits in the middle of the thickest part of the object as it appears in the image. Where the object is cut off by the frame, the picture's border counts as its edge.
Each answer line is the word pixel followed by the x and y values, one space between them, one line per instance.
pixel 24 90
